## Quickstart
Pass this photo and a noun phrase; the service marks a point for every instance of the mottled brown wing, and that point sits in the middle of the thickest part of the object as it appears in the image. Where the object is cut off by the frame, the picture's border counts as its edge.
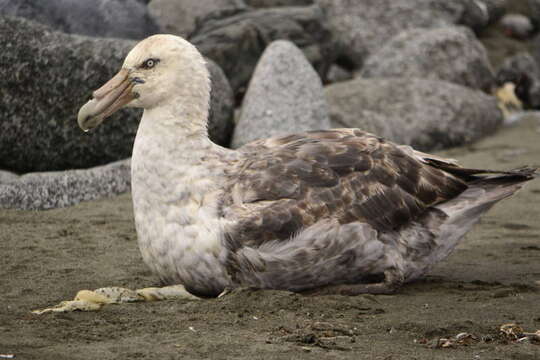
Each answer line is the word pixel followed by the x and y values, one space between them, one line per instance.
pixel 286 183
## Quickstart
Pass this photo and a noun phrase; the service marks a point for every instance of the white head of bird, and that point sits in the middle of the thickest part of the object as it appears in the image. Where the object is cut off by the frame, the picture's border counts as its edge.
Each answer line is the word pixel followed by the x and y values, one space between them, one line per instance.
pixel 162 71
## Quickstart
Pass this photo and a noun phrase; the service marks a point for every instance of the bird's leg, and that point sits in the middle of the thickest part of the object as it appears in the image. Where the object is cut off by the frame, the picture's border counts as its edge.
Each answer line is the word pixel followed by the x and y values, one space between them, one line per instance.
pixel 393 280
pixel 87 300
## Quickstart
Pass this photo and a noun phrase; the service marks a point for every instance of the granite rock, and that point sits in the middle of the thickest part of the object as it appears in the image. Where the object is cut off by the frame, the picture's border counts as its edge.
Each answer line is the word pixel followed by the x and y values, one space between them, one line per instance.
pixel 478 14
pixel 7 176
pixel 181 17
pixel 237 42
pixel 104 18
pixel 426 114
pixel 49 190
pixel 449 53
pixel 383 125
pixel 534 10
pixel 522 62
pixel 276 3
pixel 284 96
pixel 337 73
pixel 41 95
pixel 221 117
pixel 517 26
pixel 361 27
pixel 494 8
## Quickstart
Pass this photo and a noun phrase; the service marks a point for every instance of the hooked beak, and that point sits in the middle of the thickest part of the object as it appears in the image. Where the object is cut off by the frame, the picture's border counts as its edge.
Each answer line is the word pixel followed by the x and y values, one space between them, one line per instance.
pixel 106 101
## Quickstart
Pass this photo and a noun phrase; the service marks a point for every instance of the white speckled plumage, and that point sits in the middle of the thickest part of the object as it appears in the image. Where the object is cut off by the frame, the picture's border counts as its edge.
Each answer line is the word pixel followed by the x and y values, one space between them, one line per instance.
pixel 322 210
pixel 175 175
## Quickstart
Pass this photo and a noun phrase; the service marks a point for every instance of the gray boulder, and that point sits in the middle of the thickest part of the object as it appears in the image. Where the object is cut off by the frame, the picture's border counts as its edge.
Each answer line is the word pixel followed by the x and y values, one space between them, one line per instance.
pixel 480 13
pixel 41 95
pixel 105 18
pixel 181 17
pixel 49 190
pixel 426 114
pixel 494 8
pixel 284 96
pixel 337 73
pixel 383 125
pixel 361 27
pixel 449 53
pixel 522 62
pixel 237 42
pixel 517 26
pixel 221 117
pixel 275 3
pixel 534 10
pixel 7 176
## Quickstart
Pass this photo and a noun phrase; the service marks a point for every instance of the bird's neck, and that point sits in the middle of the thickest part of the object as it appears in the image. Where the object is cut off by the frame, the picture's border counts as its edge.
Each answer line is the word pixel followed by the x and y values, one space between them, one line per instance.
pixel 177 132
pixel 172 149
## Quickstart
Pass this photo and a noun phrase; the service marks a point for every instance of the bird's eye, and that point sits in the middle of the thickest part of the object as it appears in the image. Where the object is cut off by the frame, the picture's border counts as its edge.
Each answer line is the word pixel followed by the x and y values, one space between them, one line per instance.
pixel 149 63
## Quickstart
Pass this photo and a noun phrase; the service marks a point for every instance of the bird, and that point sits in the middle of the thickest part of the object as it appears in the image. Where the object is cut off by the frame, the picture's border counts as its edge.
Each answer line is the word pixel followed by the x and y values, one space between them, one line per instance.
pixel 338 211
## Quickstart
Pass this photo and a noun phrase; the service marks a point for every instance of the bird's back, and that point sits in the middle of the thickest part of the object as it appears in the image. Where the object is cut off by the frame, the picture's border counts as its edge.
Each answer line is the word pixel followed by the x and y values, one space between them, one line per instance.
pixel 340 206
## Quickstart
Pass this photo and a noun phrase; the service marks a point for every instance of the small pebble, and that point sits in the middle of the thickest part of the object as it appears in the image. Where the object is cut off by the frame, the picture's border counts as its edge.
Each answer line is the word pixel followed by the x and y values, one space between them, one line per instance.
pixel 517 26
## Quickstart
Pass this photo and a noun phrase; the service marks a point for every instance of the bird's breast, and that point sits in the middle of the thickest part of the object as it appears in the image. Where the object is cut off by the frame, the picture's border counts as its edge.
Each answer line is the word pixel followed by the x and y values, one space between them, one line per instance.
pixel 176 217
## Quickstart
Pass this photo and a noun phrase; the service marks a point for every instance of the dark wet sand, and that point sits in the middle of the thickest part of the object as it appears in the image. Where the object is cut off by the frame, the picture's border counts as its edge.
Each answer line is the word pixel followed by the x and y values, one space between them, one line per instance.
pixel 491 279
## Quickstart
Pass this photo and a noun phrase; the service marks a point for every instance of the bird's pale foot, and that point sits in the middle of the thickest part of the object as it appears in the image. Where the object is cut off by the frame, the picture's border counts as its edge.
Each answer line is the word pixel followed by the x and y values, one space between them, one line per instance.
pixel 87 300
pixel 392 282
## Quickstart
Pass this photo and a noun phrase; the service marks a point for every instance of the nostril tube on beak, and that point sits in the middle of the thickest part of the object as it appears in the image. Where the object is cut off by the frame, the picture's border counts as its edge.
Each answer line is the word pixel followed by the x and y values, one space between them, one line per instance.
pixel 137 80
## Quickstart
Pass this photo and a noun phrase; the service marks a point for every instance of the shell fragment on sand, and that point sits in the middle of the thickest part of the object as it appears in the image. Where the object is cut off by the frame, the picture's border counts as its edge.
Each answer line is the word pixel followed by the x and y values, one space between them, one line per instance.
pixel 87 300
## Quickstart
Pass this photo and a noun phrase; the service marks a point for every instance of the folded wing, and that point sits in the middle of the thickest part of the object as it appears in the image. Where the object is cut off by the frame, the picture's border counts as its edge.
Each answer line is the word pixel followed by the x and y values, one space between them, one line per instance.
pixel 285 184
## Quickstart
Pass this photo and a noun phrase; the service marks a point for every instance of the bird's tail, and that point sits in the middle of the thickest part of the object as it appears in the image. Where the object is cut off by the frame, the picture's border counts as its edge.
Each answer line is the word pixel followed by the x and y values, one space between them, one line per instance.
pixel 484 191
pixel 451 220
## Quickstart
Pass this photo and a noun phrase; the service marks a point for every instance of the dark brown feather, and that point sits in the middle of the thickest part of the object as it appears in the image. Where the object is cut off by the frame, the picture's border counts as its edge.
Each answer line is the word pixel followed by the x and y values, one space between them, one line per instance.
pixel 287 183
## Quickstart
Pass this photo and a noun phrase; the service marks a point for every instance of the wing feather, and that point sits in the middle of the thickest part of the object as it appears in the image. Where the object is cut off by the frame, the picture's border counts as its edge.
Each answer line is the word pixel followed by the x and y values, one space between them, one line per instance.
pixel 287 183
